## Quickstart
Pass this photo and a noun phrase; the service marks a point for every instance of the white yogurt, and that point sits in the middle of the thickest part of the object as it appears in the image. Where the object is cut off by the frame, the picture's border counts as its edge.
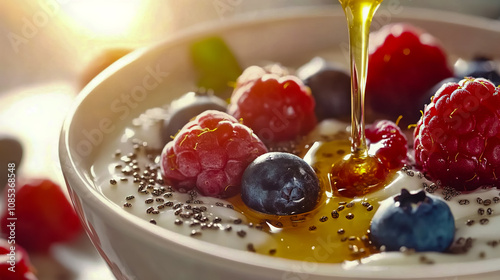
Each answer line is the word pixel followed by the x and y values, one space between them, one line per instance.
pixel 482 234
pixel 219 224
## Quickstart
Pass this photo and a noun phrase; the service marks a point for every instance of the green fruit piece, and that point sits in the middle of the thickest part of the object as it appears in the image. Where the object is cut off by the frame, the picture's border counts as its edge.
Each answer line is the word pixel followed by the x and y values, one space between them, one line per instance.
pixel 216 65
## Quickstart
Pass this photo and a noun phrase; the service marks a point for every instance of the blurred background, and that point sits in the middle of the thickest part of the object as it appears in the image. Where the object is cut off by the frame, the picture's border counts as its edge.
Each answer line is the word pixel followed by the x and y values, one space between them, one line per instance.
pixel 49 49
pixel 51 40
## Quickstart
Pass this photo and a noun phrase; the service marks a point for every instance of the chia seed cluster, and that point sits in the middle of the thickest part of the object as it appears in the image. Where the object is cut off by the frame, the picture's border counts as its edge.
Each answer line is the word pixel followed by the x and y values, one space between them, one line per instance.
pixel 153 191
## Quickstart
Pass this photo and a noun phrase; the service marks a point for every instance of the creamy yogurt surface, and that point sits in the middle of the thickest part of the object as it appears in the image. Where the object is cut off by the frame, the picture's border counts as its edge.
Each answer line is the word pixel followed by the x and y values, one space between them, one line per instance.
pixel 127 173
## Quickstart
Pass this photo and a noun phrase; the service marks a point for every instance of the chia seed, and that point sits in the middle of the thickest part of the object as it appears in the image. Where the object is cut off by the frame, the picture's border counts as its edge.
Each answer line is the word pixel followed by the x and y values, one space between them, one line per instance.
pixel 112 182
pixel 463 202
pixel 335 214
pixel 177 206
pixel 350 216
pixel 323 219
pixel 195 233
pixel 250 247
pixel 241 233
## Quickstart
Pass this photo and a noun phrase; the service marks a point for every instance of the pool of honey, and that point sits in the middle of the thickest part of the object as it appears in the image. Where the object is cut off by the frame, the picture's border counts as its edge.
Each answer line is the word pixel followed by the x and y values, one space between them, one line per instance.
pixel 335 231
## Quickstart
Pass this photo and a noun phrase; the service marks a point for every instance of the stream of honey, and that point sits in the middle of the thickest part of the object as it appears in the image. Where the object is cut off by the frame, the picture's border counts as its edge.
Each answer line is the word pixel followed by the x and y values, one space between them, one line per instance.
pixel 337 230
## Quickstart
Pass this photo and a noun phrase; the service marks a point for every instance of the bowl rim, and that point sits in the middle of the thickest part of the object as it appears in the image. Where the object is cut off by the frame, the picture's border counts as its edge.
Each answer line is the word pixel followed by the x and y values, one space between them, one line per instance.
pixel 202 250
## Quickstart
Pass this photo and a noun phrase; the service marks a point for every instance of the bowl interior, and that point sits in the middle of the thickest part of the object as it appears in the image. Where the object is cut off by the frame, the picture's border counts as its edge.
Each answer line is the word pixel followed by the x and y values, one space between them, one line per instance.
pixel 156 75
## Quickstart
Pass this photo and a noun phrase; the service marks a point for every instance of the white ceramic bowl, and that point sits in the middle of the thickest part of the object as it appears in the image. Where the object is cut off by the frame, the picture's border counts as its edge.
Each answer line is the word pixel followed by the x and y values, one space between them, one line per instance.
pixel 136 250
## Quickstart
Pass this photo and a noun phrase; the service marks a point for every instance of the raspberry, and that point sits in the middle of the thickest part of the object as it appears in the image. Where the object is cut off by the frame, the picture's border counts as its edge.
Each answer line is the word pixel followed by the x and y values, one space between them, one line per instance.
pixel 457 140
pixel 388 143
pixel 44 214
pixel 15 264
pixel 277 108
pixel 404 63
pixel 210 153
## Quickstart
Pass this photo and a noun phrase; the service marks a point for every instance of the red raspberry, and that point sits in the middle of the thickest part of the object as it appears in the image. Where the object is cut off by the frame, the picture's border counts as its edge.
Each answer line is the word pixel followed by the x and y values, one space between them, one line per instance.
pixel 15 264
pixel 277 108
pixel 210 153
pixel 404 63
pixel 388 143
pixel 457 140
pixel 44 215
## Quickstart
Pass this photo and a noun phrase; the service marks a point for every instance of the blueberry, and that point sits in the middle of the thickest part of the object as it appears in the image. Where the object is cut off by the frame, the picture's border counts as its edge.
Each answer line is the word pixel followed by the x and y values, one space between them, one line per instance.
pixel 478 67
pixel 188 106
pixel 280 184
pixel 418 221
pixel 415 115
pixel 331 87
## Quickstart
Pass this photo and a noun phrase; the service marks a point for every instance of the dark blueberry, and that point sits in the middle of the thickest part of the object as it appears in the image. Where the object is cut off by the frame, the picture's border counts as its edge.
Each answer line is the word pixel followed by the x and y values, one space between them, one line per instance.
pixel 188 106
pixel 479 67
pixel 417 221
pixel 426 99
pixel 280 184
pixel 11 152
pixel 331 87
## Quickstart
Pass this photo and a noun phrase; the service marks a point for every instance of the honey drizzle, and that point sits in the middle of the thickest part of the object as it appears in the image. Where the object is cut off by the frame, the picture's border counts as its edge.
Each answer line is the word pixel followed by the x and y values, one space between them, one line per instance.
pixel 359 14
pixel 359 168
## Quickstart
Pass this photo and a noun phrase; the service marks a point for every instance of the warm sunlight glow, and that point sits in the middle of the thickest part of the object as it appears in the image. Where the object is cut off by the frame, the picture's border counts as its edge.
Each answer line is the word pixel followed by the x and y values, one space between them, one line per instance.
pixel 104 17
